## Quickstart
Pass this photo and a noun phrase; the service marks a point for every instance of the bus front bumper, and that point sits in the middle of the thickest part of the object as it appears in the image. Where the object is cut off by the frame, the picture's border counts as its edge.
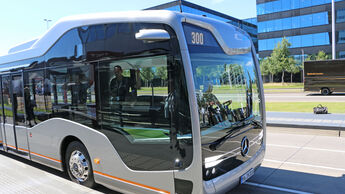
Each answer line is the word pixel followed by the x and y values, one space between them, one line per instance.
pixel 231 179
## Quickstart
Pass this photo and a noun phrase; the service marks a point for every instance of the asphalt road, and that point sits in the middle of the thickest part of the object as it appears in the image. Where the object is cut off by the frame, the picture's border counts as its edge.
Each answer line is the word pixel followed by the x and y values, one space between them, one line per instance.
pixel 296 161
pixel 300 161
pixel 303 97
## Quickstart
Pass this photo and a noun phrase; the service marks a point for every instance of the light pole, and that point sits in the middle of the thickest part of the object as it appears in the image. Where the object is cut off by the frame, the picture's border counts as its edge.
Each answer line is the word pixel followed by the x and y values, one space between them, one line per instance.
pixel 303 65
pixel 47 21
pixel 333 31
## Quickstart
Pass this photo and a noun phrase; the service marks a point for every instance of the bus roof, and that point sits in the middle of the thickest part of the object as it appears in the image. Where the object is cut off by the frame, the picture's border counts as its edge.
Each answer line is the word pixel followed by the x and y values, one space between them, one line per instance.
pixel 38 47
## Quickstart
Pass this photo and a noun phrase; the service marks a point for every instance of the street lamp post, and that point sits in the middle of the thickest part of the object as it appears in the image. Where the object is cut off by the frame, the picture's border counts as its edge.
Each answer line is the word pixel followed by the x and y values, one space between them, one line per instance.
pixel 303 65
pixel 333 31
pixel 47 21
pixel 180 5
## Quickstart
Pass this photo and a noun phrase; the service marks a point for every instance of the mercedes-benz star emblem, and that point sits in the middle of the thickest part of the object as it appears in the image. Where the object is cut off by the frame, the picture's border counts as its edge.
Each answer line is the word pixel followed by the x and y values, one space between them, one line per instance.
pixel 244 146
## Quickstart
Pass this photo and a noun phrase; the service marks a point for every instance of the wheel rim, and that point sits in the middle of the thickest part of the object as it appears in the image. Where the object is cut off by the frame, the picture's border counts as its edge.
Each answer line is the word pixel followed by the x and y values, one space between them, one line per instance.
pixel 79 166
pixel 325 91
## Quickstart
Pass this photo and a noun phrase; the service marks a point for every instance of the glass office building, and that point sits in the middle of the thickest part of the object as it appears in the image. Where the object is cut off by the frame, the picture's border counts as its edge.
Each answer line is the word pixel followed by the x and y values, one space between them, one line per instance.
pixel 185 6
pixel 307 24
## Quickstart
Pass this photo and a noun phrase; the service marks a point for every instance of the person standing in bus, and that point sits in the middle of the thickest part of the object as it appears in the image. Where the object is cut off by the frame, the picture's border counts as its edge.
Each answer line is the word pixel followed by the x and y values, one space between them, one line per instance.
pixel 119 86
pixel 29 106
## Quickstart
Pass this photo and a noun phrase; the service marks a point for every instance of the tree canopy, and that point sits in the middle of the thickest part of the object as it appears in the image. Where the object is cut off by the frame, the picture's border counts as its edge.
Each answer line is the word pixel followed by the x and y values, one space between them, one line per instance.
pixel 321 55
pixel 280 61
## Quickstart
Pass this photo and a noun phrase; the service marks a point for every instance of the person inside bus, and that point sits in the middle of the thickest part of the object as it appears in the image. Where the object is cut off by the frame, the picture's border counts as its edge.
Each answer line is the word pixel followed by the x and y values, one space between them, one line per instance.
pixel 29 106
pixel 119 86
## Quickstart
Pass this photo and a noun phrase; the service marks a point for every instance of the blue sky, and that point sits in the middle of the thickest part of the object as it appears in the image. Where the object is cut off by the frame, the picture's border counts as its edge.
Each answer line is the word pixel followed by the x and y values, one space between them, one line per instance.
pixel 23 20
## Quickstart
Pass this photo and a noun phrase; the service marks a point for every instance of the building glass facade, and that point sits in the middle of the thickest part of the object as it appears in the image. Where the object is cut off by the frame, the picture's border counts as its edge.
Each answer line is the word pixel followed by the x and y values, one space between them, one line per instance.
pixel 187 7
pixel 285 5
pixel 307 24
pixel 252 20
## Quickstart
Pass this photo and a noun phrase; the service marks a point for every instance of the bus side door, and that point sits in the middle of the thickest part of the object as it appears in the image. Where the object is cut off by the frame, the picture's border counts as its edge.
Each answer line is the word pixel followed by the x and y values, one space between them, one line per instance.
pixel 8 128
pixel 14 129
pixel 2 134
pixel 21 135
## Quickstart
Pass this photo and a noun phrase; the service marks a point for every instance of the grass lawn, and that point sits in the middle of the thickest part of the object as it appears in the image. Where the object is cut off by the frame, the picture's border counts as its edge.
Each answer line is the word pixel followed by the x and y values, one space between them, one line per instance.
pixel 144 134
pixel 285 85
pixel 333 107
pixel 297 90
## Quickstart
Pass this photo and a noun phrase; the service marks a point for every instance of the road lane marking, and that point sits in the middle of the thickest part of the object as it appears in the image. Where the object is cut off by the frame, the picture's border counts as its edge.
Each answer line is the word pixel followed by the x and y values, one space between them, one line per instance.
pixel 308 165
pixel 276 188
pixel 307 148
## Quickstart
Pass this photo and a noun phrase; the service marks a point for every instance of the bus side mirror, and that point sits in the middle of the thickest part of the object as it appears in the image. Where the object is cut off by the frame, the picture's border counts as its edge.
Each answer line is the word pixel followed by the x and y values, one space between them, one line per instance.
pixel 152 35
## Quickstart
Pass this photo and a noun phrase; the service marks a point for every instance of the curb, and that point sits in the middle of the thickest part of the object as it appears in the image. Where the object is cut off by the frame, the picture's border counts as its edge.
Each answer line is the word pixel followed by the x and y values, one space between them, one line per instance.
pixel 306 126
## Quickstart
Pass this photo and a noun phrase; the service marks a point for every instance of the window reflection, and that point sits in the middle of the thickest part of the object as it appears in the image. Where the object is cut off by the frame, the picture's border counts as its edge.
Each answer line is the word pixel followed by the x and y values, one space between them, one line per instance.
pixel 225 90
pixel 340 17
pixel 37 104
pixel 7 99
pixel 296 41
pixel 293 22
pixel 284 5
pixel 18 100
pixel 72 94
pixel 341 36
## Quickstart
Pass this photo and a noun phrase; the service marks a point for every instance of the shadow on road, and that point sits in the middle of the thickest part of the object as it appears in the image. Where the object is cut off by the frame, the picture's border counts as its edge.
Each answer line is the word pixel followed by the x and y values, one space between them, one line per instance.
pixel 55 172
pixel 300 181
pixel 333 94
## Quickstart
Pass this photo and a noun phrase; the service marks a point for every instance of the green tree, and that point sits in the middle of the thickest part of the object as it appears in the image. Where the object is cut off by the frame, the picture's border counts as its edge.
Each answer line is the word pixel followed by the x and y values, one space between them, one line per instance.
pixel 162 73
pixel 292 68
pixel 321 55
pixel 147 75
pixel 281 58
pixel 265 67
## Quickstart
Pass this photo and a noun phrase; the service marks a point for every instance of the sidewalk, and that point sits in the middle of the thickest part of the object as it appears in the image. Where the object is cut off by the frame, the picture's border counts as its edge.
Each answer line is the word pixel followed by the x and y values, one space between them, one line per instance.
pixel 306 119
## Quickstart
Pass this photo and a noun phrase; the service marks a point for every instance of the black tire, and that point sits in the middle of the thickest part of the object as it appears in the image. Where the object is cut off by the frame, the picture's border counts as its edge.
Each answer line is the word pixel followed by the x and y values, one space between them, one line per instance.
pixel 325 91
pixel 81 155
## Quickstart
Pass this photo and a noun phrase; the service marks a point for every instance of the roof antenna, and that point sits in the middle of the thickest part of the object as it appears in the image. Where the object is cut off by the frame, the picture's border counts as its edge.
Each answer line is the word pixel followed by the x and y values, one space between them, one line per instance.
pixel 180 4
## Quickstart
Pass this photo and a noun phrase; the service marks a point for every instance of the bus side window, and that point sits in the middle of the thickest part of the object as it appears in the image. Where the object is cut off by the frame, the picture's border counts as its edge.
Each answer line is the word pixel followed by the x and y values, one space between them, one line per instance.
pixel 37 97
pixel 73 94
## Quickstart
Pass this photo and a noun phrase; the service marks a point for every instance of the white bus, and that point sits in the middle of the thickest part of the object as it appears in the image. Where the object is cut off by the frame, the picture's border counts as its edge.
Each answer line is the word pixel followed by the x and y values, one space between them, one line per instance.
pixel 140 102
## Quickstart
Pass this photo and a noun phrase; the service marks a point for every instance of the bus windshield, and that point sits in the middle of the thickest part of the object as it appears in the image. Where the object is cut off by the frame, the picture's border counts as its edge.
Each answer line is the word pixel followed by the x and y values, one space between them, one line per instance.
pixel 227 92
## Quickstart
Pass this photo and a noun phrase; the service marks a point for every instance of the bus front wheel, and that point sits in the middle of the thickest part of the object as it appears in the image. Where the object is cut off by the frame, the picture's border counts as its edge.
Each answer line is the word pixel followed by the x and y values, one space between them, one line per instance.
pixel 325 91
pixel 78 164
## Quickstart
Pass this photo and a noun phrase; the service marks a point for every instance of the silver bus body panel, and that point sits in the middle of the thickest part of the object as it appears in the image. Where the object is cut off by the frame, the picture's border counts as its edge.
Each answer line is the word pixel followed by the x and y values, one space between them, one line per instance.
pixel 46 141
pixel 8 128
pixel 22 139
pixel 2 137
pixel 193 172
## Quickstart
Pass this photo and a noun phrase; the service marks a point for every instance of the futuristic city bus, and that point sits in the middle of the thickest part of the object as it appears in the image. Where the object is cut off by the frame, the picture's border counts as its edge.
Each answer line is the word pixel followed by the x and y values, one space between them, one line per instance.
pixel 140 102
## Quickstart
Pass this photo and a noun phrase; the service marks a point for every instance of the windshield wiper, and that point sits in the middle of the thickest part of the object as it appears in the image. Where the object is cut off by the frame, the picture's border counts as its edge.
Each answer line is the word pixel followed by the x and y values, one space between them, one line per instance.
pixel 216 144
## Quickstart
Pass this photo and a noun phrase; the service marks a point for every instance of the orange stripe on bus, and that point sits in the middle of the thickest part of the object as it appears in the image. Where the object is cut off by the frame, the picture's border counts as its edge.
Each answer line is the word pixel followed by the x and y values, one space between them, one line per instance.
pixel 14 147
pixel 11 146
pixel 46 157
pixel 21 149
pixel 130 182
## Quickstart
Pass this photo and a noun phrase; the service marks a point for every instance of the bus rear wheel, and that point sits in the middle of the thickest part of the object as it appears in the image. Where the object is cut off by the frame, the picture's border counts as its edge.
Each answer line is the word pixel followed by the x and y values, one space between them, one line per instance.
pixel 78 164
pixel 325 91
